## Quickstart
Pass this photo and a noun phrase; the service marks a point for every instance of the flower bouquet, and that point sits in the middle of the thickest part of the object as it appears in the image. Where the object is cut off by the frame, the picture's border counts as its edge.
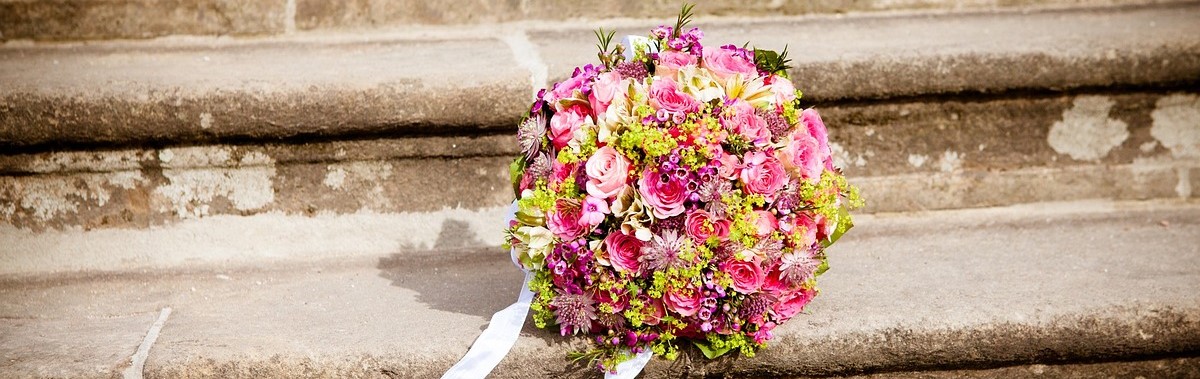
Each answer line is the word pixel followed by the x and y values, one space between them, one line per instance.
pixel 674 194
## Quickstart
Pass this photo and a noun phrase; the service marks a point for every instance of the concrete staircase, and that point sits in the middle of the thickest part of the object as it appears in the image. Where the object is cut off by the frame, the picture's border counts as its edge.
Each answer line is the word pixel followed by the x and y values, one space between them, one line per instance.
pixel 315 189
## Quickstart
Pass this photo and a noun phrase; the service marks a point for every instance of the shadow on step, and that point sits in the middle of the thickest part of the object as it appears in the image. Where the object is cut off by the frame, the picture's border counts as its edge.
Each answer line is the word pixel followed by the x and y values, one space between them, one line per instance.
pixel 456 275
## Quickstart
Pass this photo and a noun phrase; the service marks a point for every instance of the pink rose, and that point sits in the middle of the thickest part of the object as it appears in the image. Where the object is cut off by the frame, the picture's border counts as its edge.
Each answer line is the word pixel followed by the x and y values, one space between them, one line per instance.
pixel 560 172
pixel 664 193
pixel 730 167
pixel 766 223
pixel 685 302
pixel 762 174
pixel 773 283
pixel 607 172
pixel 816 128
pixel 604 90
pixel 669 62
pixel 593 212
pixel 802 155
pixel 728 61
pixel 623 251
pixel 792 303
pixel 804 221
pixel 783 89
pixel 653 311
pixel 665 95
pixel 747 124
pixel 564 124
pixel 563 220
pixel 701 225
pixel 747 277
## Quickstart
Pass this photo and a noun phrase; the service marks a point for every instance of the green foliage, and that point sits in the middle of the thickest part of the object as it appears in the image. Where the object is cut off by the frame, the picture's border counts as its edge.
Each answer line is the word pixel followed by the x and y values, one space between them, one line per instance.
pixel 772 62
pixel 685 17
pixel 515 170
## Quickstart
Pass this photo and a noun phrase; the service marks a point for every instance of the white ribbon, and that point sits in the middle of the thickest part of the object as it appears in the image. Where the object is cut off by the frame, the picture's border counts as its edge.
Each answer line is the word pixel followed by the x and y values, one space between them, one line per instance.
pixel 631 368
pixel 495 341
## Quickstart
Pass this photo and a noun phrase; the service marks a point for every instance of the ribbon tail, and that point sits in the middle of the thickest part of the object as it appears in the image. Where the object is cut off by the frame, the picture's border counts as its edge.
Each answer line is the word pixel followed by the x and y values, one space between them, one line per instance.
pixel 631 368
pixel 495 341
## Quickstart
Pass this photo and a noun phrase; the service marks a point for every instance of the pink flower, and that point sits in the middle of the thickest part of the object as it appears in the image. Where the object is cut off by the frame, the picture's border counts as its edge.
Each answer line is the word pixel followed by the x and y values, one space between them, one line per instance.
pixel 802 155
pixel 774 283
pixel 606 87
pixel 665 95
pixel 593 212
pixel 766 223
pixel 764 332
pixel 685 302
pixel 701 225
pixel 784 91
pixel 747 277
pixel 654 311
pixel 560 172
pixel 623 251
pixel 804 221
pixel 607 171
pixel 762 174
pixel 728 61
pixel 669 62
pixel 564 219
pixel 564 124
pixel 748 124
pixel 816 128
pixel 792 303
pixel 663 193
pixel 730 168
pixel 566 89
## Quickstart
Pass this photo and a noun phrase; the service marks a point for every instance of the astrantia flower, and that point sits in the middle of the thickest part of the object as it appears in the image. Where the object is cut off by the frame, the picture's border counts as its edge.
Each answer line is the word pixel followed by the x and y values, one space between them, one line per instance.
pixel 575 312
pixel 662 251
pixel 798 266
pixel 530 134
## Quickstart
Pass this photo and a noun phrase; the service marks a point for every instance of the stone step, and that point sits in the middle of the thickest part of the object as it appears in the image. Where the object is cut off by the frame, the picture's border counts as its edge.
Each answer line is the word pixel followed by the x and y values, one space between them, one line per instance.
pixel 161 154
pixel 1070 289
pixel 83 19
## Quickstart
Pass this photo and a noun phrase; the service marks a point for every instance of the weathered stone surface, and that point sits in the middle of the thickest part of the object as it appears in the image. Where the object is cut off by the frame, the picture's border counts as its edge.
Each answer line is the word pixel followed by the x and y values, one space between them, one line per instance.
pixel 329 87
pixel 159 93
pixel 905 156
pixel 1160 368
pixel 85 19
pixel 872 58
pixel 943 290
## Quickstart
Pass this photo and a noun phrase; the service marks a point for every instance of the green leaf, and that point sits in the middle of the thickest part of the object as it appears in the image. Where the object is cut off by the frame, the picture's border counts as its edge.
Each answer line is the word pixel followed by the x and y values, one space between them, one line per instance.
pixel 822 268
pixel 709 352
pixel 515 170
pixel 844 223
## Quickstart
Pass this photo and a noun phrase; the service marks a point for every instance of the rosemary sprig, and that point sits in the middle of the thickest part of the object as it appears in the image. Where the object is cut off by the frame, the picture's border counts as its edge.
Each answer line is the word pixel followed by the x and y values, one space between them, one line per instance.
pixel 685 17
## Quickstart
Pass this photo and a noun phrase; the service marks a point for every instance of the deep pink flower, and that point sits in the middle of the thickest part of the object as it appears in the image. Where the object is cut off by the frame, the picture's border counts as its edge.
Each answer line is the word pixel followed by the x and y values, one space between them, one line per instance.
pixel 701 225
pixel 623 251
pixel 607 172
pixel 747 277
pixel 663 193
pixel 665 95
pixel 805 221
pixel 685 302
pixel 792 303
pixel 564 124
pixel 762 174
pixel 564 219
pixel 728 61
pixel 593 212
